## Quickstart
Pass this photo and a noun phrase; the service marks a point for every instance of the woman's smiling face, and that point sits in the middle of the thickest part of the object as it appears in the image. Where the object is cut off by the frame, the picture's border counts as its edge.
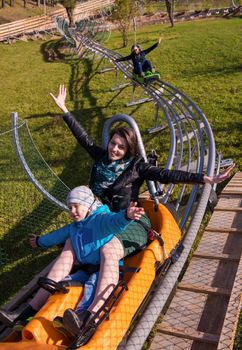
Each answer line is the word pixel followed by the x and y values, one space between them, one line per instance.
pixel 117 148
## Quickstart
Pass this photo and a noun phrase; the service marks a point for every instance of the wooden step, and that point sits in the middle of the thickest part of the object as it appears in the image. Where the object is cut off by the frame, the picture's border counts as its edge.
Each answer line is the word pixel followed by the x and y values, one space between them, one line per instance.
pixel 204 289
pixel 228 209
pixel 231 191
pixel 229 257
pixel 188 333
pixel 222 229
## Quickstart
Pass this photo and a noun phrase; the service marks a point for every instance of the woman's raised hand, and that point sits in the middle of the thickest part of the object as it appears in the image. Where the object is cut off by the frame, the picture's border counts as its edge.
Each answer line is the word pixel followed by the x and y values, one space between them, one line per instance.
pixel 61 98
pixel 32 240
pixel 224 175
pixel 134 212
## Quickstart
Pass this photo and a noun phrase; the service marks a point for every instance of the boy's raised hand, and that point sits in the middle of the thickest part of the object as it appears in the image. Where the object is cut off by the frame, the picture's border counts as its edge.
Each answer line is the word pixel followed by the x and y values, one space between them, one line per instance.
pixel 134 212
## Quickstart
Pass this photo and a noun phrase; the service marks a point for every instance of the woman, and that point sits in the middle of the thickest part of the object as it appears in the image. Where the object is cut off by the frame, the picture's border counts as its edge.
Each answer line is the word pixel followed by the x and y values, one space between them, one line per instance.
pixel 140 63
pixel 117 175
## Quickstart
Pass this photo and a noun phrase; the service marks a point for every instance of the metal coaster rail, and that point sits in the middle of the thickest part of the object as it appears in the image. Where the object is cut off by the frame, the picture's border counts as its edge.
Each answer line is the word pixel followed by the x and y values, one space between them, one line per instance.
pixel 187 124
pixel 192 147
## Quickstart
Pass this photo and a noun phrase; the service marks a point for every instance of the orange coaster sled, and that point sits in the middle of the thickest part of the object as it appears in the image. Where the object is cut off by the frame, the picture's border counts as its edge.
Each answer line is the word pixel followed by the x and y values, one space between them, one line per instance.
pixel 39 334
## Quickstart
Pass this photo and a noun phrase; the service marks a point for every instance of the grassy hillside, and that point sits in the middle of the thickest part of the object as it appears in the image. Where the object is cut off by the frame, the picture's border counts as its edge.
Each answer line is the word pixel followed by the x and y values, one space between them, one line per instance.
pixel 200 58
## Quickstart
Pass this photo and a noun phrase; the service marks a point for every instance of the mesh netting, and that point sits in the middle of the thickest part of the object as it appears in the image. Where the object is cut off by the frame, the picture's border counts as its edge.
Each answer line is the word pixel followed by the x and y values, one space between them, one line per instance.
pixel 38 170
pixel 23 210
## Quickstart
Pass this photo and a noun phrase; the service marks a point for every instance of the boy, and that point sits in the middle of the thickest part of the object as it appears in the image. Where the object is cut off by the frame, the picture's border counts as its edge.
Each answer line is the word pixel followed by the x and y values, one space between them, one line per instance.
pixel 93 225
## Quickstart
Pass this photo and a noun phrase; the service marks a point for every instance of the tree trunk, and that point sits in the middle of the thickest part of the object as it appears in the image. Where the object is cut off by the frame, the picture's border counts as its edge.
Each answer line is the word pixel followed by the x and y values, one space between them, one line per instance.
pixel 12 3
pixel 3 3
pixel 70 13
pixel 170 10
pixel 25 3
pixel 125 38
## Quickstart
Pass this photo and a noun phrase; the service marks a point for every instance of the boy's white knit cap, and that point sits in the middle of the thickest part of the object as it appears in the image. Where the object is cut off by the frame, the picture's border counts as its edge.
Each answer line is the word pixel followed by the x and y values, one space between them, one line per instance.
pixel 81 195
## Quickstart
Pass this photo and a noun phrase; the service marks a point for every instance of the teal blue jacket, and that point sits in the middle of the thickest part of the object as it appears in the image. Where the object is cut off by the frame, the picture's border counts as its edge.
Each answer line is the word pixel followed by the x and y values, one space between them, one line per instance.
pixel 88 235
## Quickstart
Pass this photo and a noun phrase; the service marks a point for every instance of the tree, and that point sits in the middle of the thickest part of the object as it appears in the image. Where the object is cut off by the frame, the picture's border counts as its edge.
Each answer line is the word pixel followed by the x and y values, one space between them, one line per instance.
pixel 170 10
pixel 69 6
pixel 3 3
pixel 123 13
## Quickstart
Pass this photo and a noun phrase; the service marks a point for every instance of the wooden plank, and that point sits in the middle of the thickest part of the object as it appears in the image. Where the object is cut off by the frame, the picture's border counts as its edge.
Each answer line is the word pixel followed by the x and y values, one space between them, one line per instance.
pixel 229 257
pixel 204 289
pixel 188 333
pixel 220 244
pixel 186 309
pixel 231 201
pixel 236 186
pixel 236 179
pixel 230 191
pixel 228 209
pixel 227 221
pixel 222 229
pixel 210 272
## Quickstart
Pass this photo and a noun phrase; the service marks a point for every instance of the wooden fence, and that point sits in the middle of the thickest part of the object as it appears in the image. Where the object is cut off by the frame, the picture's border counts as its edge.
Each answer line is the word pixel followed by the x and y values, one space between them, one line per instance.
pixel 18 29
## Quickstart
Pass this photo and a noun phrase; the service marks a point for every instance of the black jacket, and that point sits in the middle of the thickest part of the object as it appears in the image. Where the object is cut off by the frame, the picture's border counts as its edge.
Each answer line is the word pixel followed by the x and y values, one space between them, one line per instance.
pixel 126 186
pixel 137 58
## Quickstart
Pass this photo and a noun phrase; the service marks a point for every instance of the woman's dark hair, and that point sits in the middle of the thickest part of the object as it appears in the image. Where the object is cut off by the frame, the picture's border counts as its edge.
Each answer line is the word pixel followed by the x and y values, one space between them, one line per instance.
pixel 129 135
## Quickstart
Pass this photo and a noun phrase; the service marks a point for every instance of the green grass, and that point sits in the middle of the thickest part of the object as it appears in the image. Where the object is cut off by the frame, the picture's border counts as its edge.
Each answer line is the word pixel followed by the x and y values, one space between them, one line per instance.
pixel 18 11
pixel 201 58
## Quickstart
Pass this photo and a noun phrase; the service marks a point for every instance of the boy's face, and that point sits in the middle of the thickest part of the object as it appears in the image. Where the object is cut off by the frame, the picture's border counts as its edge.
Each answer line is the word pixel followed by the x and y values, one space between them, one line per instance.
pixel 77 211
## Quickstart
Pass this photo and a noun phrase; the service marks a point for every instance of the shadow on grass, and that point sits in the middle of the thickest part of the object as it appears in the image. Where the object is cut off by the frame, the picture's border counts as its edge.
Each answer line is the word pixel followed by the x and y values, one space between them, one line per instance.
pixel 76 172
pixel 55 50
pixel 12 281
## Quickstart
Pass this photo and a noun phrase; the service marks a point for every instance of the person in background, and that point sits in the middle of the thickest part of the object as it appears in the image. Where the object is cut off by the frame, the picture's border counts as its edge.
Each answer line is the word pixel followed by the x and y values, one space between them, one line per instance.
pixel 138 58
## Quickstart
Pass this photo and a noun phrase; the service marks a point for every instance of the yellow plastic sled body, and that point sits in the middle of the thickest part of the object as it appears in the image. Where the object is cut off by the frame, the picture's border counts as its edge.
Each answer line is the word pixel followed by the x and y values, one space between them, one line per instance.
pixel 39 334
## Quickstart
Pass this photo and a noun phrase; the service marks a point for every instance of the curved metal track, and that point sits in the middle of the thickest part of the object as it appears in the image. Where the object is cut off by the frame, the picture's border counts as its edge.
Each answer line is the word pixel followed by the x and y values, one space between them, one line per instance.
pixel 192 147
